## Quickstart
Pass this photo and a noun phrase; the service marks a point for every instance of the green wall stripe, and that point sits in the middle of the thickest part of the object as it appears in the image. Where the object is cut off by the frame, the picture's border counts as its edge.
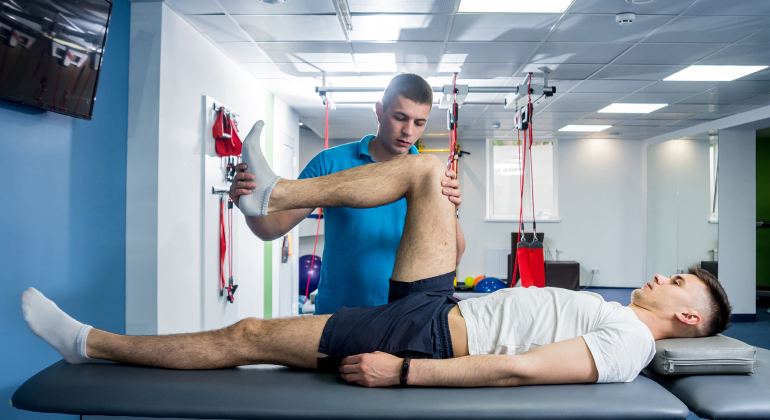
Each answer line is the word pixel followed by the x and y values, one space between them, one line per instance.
pixel 269 244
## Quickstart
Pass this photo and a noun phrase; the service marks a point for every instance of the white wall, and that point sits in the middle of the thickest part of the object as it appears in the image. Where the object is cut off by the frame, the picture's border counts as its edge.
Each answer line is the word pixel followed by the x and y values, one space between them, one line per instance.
pixel 600 204
pixel 737 218
pixel 679 234
pixel 165 198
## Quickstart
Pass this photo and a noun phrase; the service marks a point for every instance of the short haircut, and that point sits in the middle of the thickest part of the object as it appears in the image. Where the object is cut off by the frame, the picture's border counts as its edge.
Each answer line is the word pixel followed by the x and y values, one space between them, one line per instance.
pixel 411 86
pixel 720 311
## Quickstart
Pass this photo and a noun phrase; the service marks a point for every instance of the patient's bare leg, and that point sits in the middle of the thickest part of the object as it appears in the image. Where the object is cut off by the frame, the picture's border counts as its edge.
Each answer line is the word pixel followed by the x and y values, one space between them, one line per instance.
pixel 428 244
pixel 282 341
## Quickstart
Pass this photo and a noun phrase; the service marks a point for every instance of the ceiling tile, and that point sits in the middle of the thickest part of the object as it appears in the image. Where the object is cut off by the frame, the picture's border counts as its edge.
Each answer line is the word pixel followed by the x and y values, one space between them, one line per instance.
pixel 577 107
pixel 488 52
pixel 685 53
pixel 666 7
pixel 591 97
pixel 636 72
pixel 399 27
pixel 601 86
pixel 603 28
pixel 562 71
pixel 717 97
pixel 761 37
pixel 401 6
pixel 501 27
pixel 194 7
pixel 685 123
pixel 757 100
pixel 303 7
pixel 265 71
pixel 741 54
pixel 760 75
pixel 690 108
pixel 732 7
pixel 744 86
pixel 549 115
pixel 406 52
pixel 669 86
pixel 643 123
pixel 665 116
pixel 601 121
pixel 654 98
pixel 708 29
pixel 243 52
pixel 578 52
pixel 290 52
pixel 284 28
pixel 218 27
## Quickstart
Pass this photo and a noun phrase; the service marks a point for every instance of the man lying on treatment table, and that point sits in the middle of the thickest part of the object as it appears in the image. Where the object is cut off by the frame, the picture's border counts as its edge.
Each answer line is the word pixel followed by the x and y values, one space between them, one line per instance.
pixel 423 336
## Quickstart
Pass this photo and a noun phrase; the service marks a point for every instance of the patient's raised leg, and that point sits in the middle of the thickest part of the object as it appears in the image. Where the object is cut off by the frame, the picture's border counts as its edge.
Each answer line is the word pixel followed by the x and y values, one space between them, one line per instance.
pixel 428 245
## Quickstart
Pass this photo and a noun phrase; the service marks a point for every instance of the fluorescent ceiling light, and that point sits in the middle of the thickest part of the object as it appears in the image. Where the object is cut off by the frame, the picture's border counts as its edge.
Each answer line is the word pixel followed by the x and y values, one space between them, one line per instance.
pixel 713 73
pixel 585 128
pixel 632 108
pixel 514 6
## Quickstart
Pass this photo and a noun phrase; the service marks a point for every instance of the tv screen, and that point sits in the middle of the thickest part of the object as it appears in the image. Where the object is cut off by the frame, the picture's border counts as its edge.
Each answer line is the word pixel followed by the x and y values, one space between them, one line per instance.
pixel 51 52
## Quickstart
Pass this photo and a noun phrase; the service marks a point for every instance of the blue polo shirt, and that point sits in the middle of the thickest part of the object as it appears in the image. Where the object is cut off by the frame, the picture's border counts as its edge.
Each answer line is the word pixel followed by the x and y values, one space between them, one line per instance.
pixel 359 244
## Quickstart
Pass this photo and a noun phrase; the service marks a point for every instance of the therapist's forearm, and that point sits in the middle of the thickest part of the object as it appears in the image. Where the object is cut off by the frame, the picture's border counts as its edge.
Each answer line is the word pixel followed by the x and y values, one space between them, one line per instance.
pixel 469 371
pixel 460 242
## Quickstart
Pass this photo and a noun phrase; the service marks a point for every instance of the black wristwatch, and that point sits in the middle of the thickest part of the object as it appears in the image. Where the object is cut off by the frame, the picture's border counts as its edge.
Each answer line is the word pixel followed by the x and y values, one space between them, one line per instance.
pixel 404 371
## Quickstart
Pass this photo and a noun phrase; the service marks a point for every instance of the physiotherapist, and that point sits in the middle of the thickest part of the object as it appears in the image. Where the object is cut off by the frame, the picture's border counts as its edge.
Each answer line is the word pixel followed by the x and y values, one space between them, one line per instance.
pixel 361 244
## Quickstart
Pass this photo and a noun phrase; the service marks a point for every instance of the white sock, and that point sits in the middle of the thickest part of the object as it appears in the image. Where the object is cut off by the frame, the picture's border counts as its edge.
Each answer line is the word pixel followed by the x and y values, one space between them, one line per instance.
pixel 255 204
pixel 56 328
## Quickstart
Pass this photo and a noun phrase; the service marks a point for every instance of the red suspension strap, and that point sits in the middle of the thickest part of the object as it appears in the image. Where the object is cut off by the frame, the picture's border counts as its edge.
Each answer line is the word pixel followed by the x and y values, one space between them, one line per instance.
pixel 320 211
pixel 451 163
pixel 536 259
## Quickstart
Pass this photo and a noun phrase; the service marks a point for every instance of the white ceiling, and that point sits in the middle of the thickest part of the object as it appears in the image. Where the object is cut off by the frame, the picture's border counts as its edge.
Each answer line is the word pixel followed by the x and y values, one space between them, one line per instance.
pixel 594 61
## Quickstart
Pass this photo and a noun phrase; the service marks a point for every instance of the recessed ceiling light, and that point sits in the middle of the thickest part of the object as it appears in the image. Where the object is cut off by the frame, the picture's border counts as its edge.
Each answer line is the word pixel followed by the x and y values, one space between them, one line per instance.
pixel 639 1
pixel 713 73
pixel 376 62
pixel 301 123
pixel 514 6
pixel 631 108
pixel 585 127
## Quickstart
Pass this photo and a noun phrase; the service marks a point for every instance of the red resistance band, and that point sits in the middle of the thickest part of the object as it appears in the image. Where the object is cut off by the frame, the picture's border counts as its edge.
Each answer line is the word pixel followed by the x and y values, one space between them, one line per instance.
pixel 226 289
pixel 320 211
pixel 225 132
pixel 529 257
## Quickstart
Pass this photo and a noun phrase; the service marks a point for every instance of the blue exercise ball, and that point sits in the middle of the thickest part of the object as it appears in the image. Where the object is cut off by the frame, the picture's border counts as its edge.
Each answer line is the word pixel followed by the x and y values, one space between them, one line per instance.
pixel 309 265
pixel 488 285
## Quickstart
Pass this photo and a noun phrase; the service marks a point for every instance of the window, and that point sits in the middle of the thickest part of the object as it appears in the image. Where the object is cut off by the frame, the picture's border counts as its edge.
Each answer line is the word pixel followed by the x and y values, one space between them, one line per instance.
pixel 503 182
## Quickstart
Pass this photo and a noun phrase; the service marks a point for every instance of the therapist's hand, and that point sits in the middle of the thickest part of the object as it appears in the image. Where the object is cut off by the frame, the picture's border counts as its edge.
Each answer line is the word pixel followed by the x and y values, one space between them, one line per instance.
pixel 242 184
pixel 451 188
pixel 372 369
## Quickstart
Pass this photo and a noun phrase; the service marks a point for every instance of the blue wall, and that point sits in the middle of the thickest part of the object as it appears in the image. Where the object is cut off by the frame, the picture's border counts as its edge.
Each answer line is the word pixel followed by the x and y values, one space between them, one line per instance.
pixel 63 216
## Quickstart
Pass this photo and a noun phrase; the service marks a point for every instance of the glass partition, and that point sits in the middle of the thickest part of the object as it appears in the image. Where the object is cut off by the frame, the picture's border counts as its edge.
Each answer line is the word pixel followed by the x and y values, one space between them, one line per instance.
pixel 682 205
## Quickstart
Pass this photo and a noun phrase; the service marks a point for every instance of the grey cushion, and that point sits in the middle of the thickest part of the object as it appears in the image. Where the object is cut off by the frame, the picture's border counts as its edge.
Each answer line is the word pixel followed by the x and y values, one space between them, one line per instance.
pixel 703 356
pixel 281 393
pixel 724 396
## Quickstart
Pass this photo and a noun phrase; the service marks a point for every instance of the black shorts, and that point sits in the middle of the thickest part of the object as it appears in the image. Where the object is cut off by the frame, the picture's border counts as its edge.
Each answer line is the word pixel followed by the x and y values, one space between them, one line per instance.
pixel 413 324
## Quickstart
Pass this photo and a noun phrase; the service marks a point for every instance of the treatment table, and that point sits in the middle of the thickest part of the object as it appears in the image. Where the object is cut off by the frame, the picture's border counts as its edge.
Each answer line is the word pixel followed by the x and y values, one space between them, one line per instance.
pixel 724 396
pixel 270 392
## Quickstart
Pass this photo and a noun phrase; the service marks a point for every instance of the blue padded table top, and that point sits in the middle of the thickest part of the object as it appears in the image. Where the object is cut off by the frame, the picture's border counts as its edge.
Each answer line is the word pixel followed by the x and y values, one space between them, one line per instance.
pixel 724 396
pixel 270 392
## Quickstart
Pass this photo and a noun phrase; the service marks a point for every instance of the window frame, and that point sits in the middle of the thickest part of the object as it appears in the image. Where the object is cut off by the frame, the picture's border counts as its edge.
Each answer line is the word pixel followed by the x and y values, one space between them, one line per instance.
pixel 490 217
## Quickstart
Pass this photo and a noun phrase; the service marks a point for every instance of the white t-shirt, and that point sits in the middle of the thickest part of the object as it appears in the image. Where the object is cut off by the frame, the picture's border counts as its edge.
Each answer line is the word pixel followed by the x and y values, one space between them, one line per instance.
pixel 515 320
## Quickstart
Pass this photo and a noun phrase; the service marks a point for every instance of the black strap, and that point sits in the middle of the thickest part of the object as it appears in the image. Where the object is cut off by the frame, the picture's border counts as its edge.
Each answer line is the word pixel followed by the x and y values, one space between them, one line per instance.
pixel 404 371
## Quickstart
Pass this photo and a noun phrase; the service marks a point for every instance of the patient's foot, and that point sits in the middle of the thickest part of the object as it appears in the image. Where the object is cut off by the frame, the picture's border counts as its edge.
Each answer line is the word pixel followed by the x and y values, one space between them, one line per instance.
pixel 255 204
pixel 56 328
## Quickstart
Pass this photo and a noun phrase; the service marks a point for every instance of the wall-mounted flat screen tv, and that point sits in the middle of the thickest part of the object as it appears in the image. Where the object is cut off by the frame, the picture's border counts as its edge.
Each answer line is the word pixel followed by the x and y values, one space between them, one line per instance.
pixel 51 52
